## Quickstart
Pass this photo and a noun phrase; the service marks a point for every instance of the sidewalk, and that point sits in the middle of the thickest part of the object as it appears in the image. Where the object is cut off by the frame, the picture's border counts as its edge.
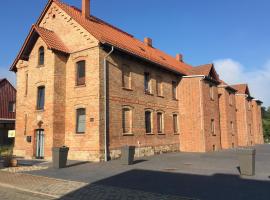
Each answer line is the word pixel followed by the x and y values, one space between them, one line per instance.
pixel 37 184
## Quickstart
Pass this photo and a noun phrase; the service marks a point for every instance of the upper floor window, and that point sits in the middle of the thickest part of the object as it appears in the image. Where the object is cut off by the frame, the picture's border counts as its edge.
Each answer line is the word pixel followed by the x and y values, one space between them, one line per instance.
pixel 11 106
pixel 80 120
pixel 175 123
pixel 174 90
pixel 211 92
pixel 80 67
pixel 232 127
pixel 126 77
pixel 41 56
pixel 147 82
pixel 127 120
pixel 213 127
pixel 40 97
pixel 159 86
pixel 148 121
pixel 160 125
pixel 231 99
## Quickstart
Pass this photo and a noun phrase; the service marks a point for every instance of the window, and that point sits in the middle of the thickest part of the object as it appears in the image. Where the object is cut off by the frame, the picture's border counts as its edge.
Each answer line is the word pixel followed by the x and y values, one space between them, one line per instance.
pixel 26 84
pixel 232 145
pixel 11 106
pixel 174 90
pixel 232 127
pixel 80 120
pixel 211 92
pixel 40 98
pixel 147 86
pixel 213 127
pixel 41 56
pixel 126 77
pixel 148 122
pixel 231 99
pixel 80 72
pixel 127 120
pixel 214 147
pixel 250 132
pixel 25 123
pixel 160 127
pixel 159 86
pixel 175 123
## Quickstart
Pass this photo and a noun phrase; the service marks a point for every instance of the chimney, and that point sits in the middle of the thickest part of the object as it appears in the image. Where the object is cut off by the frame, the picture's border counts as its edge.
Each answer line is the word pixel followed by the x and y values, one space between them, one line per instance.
pixel 179 57
pixel 86 8
pixel 148 41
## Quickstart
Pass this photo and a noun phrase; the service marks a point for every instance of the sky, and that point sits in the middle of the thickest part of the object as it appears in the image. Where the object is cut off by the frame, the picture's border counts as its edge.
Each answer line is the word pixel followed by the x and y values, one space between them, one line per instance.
pixel 234 35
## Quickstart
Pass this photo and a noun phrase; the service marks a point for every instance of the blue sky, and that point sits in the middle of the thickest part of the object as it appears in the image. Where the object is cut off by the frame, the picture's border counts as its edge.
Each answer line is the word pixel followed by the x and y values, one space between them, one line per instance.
pixel 235 35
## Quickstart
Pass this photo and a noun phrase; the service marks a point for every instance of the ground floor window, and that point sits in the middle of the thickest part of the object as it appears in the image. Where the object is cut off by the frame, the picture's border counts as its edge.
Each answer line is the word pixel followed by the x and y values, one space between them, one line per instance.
pixel 160 127
pixel 80 120
pixel 175 123
pixel 127 120
pixel 148 121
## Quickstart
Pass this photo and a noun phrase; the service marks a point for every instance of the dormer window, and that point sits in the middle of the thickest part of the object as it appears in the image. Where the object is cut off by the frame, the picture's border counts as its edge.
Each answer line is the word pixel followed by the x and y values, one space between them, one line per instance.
pixel 41 56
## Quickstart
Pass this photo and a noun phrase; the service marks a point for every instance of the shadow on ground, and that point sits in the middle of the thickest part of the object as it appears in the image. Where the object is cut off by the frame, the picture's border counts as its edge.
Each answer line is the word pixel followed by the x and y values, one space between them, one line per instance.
pixel 145 184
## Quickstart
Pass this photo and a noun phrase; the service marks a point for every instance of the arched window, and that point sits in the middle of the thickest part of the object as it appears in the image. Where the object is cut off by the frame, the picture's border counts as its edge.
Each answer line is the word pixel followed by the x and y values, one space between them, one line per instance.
pixel 80 120
pixel 127 120
pixel 41 56
pixel 148 122
pixel 80 72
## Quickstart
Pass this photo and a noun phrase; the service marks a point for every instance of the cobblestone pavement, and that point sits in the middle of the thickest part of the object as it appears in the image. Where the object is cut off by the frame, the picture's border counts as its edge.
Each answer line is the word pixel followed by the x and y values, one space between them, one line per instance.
pixel 13 194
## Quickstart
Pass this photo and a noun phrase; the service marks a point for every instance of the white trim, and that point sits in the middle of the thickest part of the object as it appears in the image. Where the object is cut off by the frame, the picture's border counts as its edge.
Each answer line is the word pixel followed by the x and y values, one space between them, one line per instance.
pixel 193 76
pixel 5 119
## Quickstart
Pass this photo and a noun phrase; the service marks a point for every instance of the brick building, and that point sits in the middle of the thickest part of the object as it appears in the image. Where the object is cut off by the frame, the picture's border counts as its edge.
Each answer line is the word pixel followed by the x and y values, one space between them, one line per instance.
pixel 7 111
pixel 88 85
pixel 227 111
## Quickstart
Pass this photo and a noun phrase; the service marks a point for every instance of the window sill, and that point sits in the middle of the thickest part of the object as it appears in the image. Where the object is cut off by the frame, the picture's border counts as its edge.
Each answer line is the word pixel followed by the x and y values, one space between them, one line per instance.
pixel 148 93
pixel 39 111
pixel 160 96
pixel 40 66
pixel 174 99
pixel 176 133
pixel 127 89
pixel 149 133
pixel 79 134
pixel 80 86
pixel 128 134
pixel 161 134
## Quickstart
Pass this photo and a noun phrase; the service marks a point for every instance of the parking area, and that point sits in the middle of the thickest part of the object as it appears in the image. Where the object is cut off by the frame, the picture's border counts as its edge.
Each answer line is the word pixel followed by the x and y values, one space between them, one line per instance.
pixel 196 175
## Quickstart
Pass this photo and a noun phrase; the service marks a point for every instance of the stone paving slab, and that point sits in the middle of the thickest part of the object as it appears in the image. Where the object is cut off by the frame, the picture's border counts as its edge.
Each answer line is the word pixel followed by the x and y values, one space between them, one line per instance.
pixel 38 184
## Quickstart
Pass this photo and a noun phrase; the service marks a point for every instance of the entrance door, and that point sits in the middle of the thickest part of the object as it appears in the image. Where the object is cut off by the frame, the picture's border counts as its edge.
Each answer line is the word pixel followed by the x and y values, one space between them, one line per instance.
pixel 40 144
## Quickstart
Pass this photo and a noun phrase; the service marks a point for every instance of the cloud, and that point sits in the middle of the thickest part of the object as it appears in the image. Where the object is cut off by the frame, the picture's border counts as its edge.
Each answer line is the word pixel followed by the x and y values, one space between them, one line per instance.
pixel 258 79
pixel 5 73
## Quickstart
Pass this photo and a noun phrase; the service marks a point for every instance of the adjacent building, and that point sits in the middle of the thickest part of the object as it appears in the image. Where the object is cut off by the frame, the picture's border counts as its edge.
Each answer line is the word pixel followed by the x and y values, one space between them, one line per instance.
pixel 7 111
pixel 90 86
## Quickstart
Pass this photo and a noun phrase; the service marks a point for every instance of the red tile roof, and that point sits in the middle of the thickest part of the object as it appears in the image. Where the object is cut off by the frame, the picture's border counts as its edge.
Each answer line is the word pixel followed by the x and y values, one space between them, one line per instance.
pixel 241 89
pixel 201 70
pixel 49 37
pixel 227 86
pixel 111 35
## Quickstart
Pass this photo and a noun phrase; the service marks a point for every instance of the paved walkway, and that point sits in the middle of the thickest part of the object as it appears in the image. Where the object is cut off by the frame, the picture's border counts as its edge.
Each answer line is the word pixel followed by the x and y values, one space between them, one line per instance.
pixel 208 176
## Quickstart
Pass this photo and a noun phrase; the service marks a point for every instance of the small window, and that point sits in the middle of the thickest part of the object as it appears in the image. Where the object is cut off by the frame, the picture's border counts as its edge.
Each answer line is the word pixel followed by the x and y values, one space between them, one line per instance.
pixel 147 81
pixel 213 127
pixel 159 86
pixel 160 127
pixel 127 120
pixel 11 106
pixel 26 84
pixel 211 89
pixel 232 145
pixel 232 128
pixel 250 131
pixel 80 72
pixel 41 98
pixel 231 99
pixel 175 123
pixel 41 56
pixel 148 122
pixel 80 120
pixel 174 90
pixel 126 77
pixel 214 147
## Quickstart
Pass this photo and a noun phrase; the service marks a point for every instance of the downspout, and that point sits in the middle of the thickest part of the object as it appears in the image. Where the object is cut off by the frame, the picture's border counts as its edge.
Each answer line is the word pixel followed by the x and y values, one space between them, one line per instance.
pixel 106 104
